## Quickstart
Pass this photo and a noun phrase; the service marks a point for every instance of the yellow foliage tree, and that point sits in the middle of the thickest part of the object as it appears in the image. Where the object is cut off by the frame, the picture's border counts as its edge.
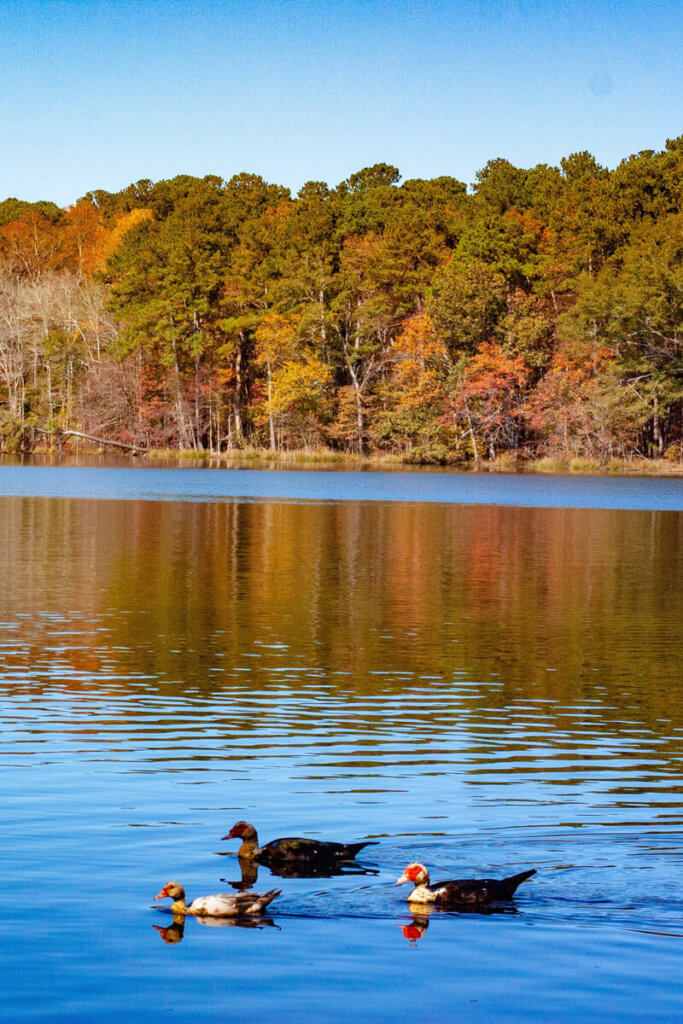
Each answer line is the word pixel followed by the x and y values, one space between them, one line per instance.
pixel 295 378
pixel 421 363
pixel 124 223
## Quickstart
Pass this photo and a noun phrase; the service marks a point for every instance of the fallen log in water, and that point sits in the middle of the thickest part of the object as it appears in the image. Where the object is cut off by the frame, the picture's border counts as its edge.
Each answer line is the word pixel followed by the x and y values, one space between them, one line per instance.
pixel 59 434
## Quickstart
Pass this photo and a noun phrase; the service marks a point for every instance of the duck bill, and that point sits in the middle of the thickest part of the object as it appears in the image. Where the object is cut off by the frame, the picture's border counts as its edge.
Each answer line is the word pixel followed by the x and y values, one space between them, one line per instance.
pixel 231 835
pixel 161 895
pixel 402 880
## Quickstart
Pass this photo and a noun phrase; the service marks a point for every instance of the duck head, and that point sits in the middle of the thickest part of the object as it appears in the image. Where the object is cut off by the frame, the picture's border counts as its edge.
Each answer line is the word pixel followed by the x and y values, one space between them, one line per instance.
pixel 172 889
pixel 242 830
pixel 415 873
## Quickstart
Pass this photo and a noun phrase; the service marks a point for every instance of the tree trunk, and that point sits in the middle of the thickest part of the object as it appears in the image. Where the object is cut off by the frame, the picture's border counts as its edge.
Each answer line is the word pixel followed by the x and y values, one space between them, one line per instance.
pixel 184 431
pixel 359 406
pixel 239 355
pixel 59 436
pixel 357 389
pixel 471 432
pixel 323 329
pixel 271 420
pixel 197 433
pixel 656 428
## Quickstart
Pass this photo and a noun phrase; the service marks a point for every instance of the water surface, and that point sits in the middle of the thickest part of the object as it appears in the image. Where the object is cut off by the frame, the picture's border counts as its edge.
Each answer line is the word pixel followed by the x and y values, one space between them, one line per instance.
pixel 342 485
pixel 485 687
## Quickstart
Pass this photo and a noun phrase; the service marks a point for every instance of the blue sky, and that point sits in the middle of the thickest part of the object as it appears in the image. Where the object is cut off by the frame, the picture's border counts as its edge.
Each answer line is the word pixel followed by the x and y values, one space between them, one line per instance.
pixel 99 94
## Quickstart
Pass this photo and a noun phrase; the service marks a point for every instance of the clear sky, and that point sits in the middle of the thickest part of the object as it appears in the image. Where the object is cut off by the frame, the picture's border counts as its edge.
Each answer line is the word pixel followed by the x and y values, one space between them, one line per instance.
pixel 99 94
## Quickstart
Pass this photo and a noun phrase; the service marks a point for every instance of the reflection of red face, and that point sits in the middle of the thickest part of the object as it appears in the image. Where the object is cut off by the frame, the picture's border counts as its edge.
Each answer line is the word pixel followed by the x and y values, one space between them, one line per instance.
pixel 412 932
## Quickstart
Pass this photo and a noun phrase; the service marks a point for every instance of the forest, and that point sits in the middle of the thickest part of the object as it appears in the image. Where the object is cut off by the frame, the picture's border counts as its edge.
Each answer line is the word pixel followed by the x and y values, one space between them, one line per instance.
pixel 536 314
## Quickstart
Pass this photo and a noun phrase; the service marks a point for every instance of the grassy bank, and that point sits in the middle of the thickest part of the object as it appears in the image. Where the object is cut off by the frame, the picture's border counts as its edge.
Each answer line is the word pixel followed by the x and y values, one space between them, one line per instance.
pixel 326 457
pixel 614 467
pixel 504 463
pixel 263 457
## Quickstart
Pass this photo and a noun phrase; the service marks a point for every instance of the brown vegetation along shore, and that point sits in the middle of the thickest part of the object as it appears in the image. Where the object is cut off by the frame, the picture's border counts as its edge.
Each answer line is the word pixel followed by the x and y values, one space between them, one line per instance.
pixel 537 316
pixel 502 464
pixel 260 458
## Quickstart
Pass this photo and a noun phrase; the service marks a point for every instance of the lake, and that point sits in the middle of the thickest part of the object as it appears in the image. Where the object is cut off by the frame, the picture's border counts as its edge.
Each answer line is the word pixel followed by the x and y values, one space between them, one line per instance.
pixel 479 672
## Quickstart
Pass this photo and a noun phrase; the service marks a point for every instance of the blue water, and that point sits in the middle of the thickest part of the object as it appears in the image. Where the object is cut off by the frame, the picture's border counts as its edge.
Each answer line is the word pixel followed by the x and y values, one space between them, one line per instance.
pixel 339 485
pixel 486 687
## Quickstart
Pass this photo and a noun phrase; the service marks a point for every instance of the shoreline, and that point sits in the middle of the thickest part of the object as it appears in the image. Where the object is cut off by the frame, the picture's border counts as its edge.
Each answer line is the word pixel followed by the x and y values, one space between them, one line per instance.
pixel 262 458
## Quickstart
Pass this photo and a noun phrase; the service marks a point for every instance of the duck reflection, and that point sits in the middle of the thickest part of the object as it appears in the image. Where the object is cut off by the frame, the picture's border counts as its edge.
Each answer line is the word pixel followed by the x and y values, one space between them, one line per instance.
pixel 329 871
pixel 173 933
pixel 249 872
pixel 416 928
pixel 238 922
pixel 250 869
pixel 414 931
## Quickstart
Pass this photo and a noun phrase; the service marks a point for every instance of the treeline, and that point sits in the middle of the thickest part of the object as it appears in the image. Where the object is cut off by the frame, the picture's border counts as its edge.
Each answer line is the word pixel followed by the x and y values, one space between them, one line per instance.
pixel 538 313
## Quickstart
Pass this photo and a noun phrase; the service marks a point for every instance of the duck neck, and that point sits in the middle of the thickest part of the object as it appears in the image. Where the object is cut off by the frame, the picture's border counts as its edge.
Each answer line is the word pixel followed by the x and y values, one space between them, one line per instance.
pixel 249 848
pixel 422 894
pixel 179 907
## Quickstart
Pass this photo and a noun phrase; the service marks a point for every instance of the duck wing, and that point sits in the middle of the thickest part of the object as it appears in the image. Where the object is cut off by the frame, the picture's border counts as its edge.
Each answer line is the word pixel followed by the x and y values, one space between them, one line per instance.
pixel 467 891
pixel 308 851
pixel 232 904
pixel 291 848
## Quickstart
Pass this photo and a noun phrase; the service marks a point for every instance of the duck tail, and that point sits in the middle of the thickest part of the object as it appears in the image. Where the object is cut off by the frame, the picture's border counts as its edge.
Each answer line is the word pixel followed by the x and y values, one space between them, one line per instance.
pixel 351 850
pixel 513 881
pixel 267 898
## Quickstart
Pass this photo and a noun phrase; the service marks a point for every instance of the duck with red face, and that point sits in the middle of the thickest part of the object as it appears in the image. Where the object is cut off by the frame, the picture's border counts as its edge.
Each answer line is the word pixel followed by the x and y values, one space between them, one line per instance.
pixel 461 892
pixel 293 853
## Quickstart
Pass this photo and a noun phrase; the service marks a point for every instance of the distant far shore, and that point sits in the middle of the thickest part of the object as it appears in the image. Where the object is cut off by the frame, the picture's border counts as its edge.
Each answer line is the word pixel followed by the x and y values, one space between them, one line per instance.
pixel 257 458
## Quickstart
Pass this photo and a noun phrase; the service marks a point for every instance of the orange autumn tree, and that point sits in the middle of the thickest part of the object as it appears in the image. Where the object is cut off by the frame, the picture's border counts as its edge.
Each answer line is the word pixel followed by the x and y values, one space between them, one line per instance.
pixel 29 246
pixel 421 361
pixel 488 398
pixel 83 235
pixel 417 391
pixel 578 408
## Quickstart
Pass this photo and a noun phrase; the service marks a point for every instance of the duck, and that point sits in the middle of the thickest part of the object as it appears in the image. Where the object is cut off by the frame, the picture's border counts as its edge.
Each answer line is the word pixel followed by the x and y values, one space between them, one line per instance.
pixel 283 855
pixel 221 904
pixel 461 892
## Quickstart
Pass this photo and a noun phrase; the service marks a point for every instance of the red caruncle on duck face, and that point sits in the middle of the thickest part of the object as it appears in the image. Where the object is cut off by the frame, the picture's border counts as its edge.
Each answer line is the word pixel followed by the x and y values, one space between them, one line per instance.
pixel 415 873
pixel 241 830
